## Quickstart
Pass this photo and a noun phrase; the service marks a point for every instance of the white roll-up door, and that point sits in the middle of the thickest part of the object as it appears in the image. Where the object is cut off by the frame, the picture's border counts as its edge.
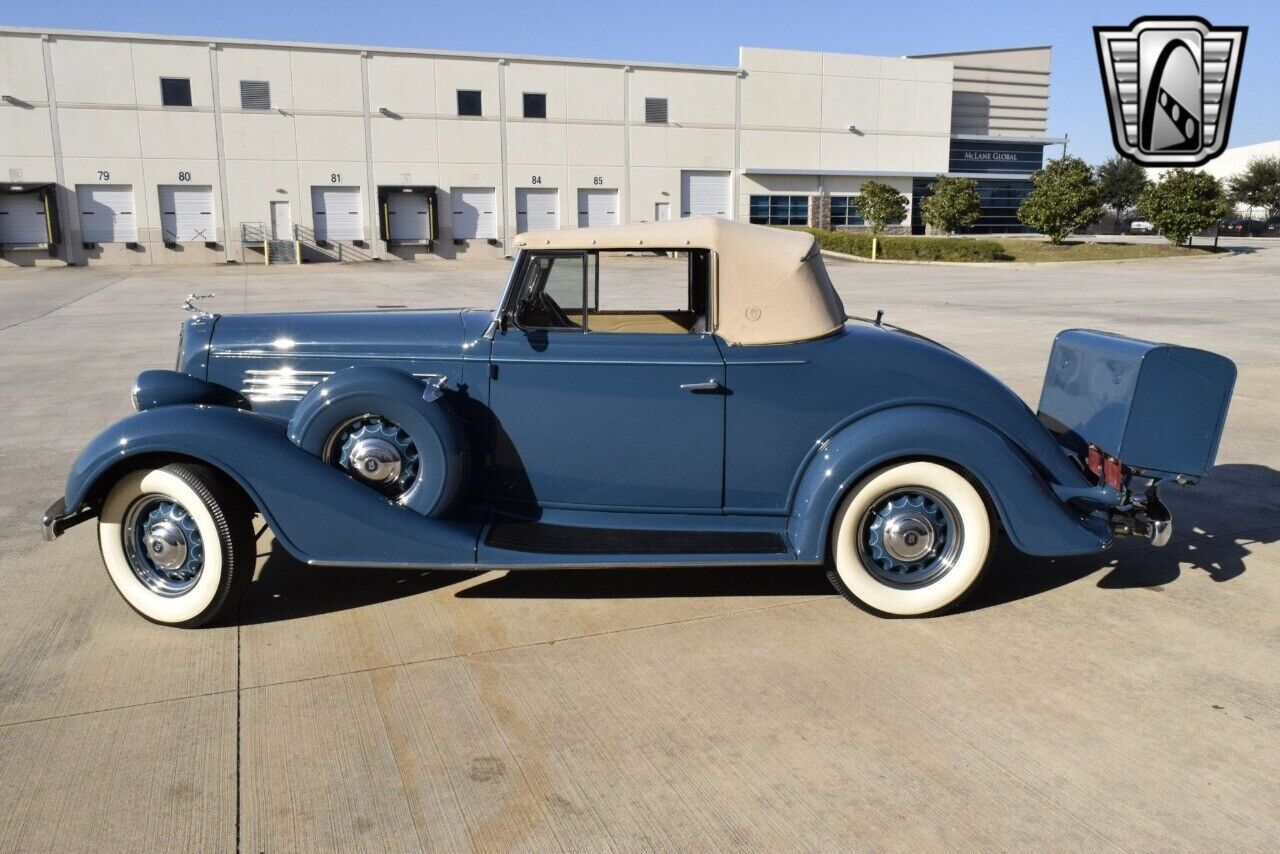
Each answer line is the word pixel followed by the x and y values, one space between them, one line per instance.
pixel 186 213
pixel 107 213
pixel 408 217
pixel 474 212
pixel 704 193
pixel 22 219
pixel 537 209
pixel 336 212
pixel 597 207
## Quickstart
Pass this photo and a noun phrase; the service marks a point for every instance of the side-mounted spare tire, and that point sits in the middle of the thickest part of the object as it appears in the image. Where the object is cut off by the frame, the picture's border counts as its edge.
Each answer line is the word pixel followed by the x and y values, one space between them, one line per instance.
pixel 390 431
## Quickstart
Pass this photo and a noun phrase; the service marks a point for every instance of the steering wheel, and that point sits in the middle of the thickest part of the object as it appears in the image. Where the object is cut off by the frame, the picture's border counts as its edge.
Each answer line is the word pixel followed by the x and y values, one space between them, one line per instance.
pixel 542 305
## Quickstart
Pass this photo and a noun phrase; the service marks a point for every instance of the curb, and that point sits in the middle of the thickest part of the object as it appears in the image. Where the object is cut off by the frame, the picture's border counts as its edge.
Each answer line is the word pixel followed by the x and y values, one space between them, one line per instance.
pixel 1005 265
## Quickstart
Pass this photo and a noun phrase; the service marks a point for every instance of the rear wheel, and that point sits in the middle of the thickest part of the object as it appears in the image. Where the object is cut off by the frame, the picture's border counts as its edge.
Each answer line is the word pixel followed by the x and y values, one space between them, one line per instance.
pixel 178 543
pixel 911 539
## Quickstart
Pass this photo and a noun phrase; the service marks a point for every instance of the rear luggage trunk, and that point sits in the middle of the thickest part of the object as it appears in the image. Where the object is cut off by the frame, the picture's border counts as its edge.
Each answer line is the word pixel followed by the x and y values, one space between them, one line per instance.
pixel 1157 408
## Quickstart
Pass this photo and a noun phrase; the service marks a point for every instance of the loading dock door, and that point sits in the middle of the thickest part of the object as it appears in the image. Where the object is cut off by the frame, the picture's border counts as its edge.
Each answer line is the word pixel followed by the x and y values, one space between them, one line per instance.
pixel 704 193
pixel 336 213
pixel 22 220
pixel 597 207
pixel 107 213
pixel 408 217
pixel 537 209
pixel 186 213
pixel 474 213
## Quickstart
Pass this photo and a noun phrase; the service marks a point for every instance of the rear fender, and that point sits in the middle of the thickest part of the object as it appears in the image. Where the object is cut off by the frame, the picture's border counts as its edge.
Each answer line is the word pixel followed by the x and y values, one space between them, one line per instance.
pixel 318 514
pixel 1036 520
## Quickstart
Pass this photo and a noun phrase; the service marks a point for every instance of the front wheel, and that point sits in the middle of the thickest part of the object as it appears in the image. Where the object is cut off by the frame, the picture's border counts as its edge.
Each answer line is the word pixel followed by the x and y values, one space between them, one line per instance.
pixel 910 540
pixel 178 543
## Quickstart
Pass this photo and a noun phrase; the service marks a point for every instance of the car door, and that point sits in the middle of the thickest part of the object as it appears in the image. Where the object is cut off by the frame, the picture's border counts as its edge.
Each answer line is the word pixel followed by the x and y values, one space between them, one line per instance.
pixel 619 419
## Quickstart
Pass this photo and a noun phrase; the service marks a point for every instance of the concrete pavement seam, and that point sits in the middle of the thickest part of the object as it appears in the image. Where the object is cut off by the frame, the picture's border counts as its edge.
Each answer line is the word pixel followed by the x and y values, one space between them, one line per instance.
pixel 58 308
pixel 239 689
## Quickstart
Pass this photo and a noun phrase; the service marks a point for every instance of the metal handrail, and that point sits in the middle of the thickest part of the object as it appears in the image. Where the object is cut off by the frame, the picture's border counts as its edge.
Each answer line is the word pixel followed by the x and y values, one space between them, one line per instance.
pixel 307 237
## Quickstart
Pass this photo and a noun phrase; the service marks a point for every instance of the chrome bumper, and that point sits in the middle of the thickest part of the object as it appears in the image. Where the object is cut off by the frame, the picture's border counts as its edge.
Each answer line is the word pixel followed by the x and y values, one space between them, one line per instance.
pixel 1152 522
pixel 1157 528
pixel 57 519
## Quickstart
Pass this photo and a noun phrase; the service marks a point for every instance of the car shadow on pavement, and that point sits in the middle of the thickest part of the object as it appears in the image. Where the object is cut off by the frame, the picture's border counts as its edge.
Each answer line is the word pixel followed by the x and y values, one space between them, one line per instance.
pixel 656 582
pixel 1215 524
pixel 286 589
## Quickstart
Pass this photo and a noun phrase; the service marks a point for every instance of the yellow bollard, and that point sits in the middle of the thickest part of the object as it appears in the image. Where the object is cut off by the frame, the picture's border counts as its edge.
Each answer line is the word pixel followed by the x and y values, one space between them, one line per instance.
pixel 875 245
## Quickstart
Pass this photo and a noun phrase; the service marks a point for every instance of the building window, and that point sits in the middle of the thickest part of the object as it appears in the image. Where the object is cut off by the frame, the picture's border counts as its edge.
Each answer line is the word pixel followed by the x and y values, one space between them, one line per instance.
pixel 175 91
pixel 780 210
pixel 999 213
pixel 655 111
pixel 469 102
pixel 255 95
pixel 535 105
pixel 844 211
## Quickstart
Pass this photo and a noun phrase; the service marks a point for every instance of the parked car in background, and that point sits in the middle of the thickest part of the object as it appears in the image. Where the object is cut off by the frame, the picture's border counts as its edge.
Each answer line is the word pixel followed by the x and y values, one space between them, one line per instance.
pixel 1141 226
pixel 1243 227
pixel 720 409
pixel 1273 227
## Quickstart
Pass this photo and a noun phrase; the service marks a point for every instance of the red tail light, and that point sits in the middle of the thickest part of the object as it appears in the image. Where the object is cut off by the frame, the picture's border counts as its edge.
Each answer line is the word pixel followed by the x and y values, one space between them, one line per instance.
pixel 1106 468
pixel 1093 459
pixel 1113 473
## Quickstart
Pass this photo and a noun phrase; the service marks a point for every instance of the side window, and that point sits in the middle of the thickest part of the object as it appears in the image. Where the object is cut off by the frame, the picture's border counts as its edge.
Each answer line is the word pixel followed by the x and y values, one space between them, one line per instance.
pixel 653 292
pixel 550 295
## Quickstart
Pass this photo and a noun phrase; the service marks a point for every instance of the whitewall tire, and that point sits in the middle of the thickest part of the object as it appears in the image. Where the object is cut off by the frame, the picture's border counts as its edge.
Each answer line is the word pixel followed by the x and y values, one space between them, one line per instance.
pixel 178 543
pixel 909 540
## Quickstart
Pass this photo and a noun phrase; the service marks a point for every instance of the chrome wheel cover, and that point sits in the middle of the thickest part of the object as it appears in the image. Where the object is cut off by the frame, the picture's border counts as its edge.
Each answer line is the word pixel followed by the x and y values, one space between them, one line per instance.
pixel 376 452
pixel 163 545
pixel 909 537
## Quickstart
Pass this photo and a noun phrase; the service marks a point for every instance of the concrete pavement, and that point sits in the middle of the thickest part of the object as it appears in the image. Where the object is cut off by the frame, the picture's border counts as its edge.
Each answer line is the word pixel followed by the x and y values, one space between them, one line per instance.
pixel 1127 700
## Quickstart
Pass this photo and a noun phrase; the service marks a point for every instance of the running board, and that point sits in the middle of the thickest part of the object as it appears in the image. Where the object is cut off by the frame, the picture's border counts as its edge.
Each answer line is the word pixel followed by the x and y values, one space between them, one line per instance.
pixel 543 538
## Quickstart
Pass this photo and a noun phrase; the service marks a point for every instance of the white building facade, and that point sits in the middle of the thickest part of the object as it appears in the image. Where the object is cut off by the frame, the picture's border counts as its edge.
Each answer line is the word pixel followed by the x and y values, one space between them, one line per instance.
pixel 136 149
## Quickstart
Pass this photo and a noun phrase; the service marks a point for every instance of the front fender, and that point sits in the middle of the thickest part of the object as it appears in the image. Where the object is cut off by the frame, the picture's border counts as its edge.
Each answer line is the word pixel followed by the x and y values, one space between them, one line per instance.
pixel 1036 520
pixel 319 514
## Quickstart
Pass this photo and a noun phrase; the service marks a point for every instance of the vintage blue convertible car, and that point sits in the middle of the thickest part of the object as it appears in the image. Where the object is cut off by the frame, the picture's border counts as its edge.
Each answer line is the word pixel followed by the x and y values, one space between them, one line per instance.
pixel 685 392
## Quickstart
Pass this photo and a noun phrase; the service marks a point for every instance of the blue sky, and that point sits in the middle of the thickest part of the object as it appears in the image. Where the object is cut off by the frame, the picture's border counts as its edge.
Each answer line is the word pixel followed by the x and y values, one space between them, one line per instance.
pixel 710 33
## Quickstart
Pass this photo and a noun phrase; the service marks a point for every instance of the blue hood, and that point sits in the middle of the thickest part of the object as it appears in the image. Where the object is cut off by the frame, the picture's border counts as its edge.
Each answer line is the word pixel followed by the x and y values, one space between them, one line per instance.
pixel 274 358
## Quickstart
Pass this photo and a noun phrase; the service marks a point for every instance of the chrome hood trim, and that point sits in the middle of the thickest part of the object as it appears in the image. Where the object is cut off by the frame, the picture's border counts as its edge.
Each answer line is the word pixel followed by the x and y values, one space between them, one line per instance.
pixel 277 384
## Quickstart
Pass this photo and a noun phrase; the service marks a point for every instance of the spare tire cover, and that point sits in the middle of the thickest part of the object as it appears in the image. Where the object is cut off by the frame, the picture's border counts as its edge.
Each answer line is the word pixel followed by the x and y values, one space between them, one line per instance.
pixel 416 408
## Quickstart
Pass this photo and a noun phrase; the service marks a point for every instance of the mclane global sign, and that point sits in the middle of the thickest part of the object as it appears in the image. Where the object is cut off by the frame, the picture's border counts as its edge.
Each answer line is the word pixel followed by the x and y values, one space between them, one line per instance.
pixel 1171 86
pixel 1006 158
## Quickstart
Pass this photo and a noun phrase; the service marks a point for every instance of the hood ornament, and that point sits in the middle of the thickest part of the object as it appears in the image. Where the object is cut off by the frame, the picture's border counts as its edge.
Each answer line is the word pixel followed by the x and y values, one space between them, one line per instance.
pixel 189 304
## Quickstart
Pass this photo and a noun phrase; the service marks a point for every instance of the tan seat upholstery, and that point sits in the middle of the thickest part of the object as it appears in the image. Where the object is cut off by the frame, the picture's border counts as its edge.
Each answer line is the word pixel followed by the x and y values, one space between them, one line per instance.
pixel 642 321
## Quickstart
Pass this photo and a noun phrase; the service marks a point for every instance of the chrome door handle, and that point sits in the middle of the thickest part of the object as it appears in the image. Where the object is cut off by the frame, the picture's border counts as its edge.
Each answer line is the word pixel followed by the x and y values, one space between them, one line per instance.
pixel 709 385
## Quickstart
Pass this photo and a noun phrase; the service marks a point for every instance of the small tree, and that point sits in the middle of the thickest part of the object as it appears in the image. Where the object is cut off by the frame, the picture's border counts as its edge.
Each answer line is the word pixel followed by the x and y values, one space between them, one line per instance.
pixel 1064 198
pixel 881 205
pixel 1258 186
pixel 1183 202
pixel 953 204
pixel 1120 183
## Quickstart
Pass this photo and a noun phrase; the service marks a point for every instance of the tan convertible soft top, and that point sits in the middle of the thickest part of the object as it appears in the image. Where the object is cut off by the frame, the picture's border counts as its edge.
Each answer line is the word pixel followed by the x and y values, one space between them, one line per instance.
pixel 771 284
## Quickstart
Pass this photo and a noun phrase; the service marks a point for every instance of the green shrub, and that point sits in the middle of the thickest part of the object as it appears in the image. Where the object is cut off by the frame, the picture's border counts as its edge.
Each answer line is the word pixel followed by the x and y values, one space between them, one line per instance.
pixel 896 248
pixel 1064 198
pixel 1183 202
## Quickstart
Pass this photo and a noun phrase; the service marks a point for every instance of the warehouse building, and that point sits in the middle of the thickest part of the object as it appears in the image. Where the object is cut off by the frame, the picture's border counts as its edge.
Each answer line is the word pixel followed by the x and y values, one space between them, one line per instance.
pixel 139 149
